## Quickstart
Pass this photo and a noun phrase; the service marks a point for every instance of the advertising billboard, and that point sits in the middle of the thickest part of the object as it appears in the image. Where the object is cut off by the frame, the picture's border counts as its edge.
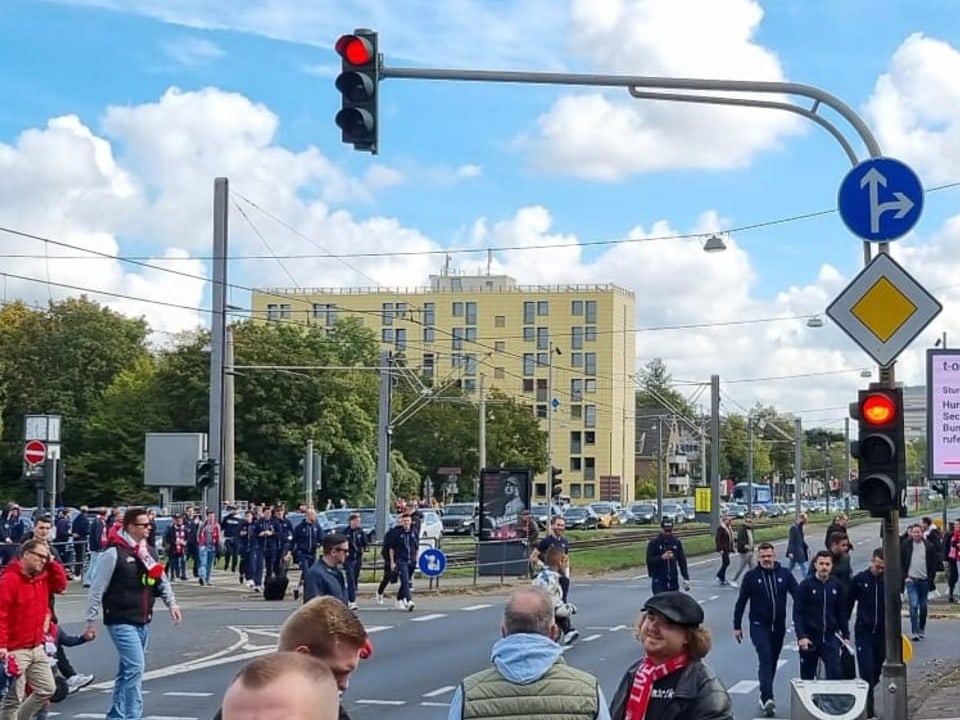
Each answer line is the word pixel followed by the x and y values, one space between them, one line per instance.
pixel 504 494
pixel 943 413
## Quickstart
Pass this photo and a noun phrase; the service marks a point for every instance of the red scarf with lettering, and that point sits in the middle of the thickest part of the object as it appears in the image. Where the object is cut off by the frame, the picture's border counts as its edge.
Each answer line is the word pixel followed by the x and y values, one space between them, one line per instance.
pixel 647 674
pixel 140 549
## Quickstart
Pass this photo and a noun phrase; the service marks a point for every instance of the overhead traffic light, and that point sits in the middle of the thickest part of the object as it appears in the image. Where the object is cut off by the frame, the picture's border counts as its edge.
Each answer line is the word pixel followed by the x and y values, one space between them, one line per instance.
pixel 880 448
pixel 556 482
pixel 358 83
pixel 206 472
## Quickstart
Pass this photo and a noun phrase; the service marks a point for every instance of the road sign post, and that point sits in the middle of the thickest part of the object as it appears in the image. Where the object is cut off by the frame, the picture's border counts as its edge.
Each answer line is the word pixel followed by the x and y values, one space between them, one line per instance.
pixel 880 199
pixel 34 452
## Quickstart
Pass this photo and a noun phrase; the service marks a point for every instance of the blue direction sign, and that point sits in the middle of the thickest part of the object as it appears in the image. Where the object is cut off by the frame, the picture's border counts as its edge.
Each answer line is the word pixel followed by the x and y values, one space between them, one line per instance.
pixel 432 562
pixel 880 199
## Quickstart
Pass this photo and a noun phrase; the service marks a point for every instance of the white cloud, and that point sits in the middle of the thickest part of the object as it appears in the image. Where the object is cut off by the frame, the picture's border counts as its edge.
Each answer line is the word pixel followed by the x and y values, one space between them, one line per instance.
pixel 469 171
pixel 192 51
pixel 915 107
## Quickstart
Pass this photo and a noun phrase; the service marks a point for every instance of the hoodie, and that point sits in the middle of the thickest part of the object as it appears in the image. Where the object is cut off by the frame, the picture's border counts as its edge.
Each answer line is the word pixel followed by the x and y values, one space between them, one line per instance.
pixel 523 658
pixel 24 602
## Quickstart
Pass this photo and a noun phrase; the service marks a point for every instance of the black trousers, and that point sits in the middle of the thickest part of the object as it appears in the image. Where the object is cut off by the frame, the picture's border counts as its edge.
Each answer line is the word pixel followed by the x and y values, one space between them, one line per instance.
pixel 724 564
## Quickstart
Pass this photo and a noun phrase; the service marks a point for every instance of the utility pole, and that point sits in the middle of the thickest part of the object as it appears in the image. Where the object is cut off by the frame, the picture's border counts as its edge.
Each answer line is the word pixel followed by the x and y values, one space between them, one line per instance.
pixel 750 501
pixel 384 433
pixel 308 474
pixel 660 466
pixel 846 481
pixel 218 322
pixel 714 452
pixel 550 413
pixel 229 424
pixel 482 424
pixel 798 466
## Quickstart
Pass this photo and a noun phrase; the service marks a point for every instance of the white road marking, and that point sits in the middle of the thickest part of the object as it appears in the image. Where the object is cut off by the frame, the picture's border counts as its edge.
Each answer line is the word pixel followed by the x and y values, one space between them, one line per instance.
pixel 427 703
pixel 440 691
pixel 178 693
pixel 714 597
pixel 381 702
pixel 377 628
pixel 168 717
pixel 591 638
pixel 781 663
pixel 185 667
pixel 471 608
pixel 89 716
pixel 427 618
pixel 743 687
pixel 618 627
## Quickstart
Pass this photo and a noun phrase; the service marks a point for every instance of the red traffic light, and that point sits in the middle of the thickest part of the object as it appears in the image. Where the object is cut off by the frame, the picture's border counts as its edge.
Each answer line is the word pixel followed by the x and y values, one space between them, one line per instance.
pixel 355 50
pixel 878 409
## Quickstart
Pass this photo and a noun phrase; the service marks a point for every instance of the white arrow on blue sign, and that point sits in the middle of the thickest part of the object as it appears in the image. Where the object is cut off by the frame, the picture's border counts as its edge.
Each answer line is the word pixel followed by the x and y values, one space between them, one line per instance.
pixel 880 199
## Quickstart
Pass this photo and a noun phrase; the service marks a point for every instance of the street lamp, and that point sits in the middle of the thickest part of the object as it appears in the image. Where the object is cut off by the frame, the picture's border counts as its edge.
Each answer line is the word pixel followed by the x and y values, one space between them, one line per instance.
pixel 714 244
pixel 815 322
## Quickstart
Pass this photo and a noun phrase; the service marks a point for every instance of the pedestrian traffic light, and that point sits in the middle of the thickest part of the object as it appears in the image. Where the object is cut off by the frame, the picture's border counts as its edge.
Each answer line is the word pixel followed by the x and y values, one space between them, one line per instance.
pixel 880 449
pixel 358 83
pixel 206 472
pixel 556 482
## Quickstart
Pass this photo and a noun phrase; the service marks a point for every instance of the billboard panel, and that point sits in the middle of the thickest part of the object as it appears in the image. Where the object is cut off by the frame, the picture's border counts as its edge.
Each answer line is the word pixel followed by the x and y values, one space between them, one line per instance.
pixel 504 494
pixel 943 413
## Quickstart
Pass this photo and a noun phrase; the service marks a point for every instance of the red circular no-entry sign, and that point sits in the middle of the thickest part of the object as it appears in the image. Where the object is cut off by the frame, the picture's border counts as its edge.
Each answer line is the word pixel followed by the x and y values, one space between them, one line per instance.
pixel 34 452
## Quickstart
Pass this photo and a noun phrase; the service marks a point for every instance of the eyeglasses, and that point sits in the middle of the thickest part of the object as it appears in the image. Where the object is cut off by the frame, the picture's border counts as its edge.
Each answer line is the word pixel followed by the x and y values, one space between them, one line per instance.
pixel 42 556
pixel 341 549
pixel 146 524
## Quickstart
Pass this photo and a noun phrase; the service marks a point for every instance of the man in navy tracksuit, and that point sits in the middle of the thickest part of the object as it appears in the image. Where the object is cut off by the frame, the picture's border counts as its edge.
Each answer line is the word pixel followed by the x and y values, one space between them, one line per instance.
pixel 357 539
pixel 231 531
pixel 766 588
pixel 866 592
pixel 819 615
pixel 666 561
pixel 402 555
pixel 305 538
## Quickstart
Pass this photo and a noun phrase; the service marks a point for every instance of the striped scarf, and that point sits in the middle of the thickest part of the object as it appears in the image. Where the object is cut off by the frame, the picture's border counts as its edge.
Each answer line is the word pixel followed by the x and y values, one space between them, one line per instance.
pixel 647 674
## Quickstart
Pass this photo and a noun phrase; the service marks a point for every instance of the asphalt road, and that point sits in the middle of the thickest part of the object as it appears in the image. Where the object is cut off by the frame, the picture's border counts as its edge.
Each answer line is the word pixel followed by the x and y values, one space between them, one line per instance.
pixel 420 657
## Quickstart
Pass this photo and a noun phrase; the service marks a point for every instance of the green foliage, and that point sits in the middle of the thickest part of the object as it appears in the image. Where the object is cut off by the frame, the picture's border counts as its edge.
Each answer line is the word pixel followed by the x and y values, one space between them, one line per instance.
pixel 646 490
pixel 656 391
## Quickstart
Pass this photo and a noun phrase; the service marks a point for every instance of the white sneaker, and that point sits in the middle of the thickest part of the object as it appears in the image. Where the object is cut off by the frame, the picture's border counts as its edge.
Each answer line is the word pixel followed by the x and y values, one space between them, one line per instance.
pixel 400 605
pixel 410 605
pixel 570 636
pixel 75 682
pixel 352 606
pixel 769 707
pixel 733 583
pixel 249 583
pixel 379 599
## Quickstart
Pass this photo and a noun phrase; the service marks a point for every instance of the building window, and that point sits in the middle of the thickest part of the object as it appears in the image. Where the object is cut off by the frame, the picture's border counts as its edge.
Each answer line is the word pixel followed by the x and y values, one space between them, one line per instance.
pixel 471 313
pixel 528 359
pixel 458 309
pixel 401 339
pixel 589 490
pixel 576 359
pixel 499 321
pixel 543 308
pixel 386 335
pixel 590 333
pixel 471 365
pixel 456 360
pixel 590 363
pixel 541 411
pixel 400 310
pixel 589 437
pixel 589 468
pixel 576 412
pixel 386 313
pixel 278 312
pixel 589 415
pixel 542 390
pixel 576 464
pixel 469 385
pixel 591 312
pixel 471 334
pixel 429 313
pixel 576 389
pixel 499 346
pixel 543 338
pixel 428 364
pixel 429 334
pixel 528 385
pixel 575 491
pixel 590 385
pixel 540 489
pixel 529 312
pixel 543 359
pixel 456 340
pixel 576 308
pixel 326 314
pixel 499 373
pixel 575 445
pixel 576 338
pixel 529 333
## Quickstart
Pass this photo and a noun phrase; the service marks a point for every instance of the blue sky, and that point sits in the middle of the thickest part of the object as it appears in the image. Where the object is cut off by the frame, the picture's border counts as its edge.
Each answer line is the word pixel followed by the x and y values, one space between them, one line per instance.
pixel 117 115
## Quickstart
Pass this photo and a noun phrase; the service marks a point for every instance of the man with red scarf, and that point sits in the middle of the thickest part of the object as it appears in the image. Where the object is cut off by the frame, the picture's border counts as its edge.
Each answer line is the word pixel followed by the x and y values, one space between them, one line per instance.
pixel 671 682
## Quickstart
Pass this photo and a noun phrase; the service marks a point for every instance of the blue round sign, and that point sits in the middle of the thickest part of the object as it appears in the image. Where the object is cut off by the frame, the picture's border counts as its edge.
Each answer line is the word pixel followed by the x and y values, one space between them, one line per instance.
pixel 880 199
pixel 432 562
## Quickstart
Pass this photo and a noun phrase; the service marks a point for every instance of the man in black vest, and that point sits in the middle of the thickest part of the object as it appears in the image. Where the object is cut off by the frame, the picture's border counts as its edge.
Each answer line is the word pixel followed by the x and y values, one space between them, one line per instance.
pixel 126 581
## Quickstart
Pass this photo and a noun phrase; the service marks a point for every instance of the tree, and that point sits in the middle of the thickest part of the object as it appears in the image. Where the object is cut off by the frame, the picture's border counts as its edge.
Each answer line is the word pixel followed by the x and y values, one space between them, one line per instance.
pixel 656 390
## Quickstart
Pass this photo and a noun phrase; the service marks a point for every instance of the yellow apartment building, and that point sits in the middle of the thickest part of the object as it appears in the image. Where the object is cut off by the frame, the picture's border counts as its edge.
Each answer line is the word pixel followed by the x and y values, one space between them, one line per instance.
pixel 567 351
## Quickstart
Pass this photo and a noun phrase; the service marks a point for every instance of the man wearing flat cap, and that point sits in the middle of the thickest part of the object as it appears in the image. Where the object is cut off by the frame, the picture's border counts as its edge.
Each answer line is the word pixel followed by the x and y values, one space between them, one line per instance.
pixel 671 681
pixel 666 561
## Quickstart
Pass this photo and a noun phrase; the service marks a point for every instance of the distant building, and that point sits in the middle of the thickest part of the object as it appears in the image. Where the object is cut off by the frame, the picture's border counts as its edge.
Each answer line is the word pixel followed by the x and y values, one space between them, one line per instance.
pixel 915 412
pixel 566 347
pixel 658 435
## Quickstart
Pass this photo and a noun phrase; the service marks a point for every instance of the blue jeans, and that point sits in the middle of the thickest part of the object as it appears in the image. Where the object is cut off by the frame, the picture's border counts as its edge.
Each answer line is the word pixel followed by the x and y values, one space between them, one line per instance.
pixel 208 556
pixel 802 565
pixel 917 591
pixel 131 643
pixel 352 571
pixel 255 566
pixel 403 571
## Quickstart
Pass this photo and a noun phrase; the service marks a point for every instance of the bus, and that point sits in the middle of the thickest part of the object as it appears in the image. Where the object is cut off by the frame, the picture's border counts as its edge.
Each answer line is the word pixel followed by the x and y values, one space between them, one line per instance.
pixel 762 494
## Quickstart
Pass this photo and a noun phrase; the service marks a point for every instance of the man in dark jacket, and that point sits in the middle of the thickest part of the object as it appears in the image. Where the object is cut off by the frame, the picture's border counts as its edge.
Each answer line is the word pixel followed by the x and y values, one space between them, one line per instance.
pixel 723 541
pixel 819 616
pixel 402 552
pixel 766 588
pixel 325 577
pixel 80 531
pixel 798 551
pixel 357 539
pixel 866 593
pixel 920 564
pixel 96 544
pixel 231 530
pixel 745 547
pixel 306 537
pixel 666 561
pixel 839 525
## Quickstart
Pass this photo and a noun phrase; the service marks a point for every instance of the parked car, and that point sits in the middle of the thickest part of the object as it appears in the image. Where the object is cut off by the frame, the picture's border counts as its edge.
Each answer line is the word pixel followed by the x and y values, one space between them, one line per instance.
pixel 736 510
pixel 643 513
pixel 541 514
pixel 581 518
pixel 759 511
pixel 606 513
pixel 461 518
pixel 689 512
pixel 431 528
pixel 674 512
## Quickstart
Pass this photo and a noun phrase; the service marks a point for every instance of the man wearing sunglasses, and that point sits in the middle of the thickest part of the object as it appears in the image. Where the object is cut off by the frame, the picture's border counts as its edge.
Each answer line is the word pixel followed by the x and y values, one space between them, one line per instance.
pixel 326 576
pixel 25 588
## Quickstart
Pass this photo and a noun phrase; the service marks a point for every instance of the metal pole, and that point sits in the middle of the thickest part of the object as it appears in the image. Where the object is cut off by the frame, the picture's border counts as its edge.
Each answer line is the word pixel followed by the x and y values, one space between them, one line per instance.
pixel 308 474
pixel 383 446
pixel 550 415
pixel 750 502
pixel 893 682
pixel 798 467
pixel 482 423
pixel 714 452
pixel 218 315
pixel 54 469
pixel 846 480
pixel 660 467
pixel 229 423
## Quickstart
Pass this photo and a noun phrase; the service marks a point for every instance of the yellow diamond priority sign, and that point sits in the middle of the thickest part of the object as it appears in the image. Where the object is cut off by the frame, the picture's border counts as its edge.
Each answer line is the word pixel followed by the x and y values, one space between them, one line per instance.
pixel 883 309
